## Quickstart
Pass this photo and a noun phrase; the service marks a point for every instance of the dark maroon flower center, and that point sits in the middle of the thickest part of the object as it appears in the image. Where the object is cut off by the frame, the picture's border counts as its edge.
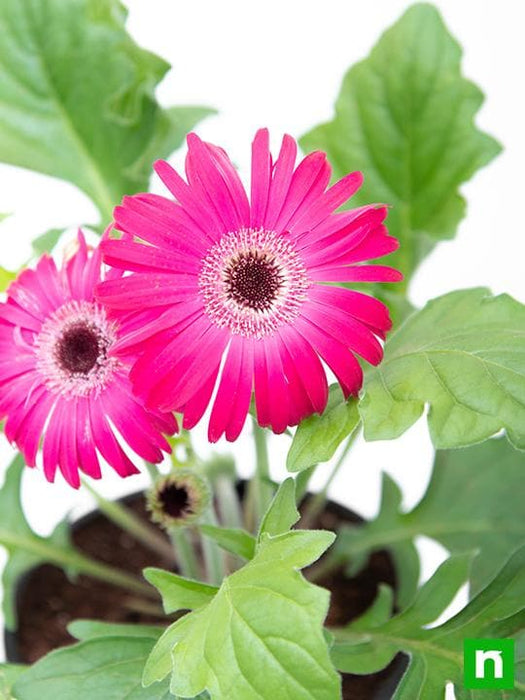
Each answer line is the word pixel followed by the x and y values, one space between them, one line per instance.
pixel 253 280
pixel 175 501
pixel 79 349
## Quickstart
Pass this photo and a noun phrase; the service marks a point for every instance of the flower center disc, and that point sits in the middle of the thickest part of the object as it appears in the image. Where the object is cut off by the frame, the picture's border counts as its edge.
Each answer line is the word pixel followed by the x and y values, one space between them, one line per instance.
pixel 73 350
pixel 78 350
pixel 253 280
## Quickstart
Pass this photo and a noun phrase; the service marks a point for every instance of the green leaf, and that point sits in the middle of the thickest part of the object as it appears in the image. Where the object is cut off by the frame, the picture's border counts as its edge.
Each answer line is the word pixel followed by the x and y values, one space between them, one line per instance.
pixel 405 117
pixel 233 540
pixel 47 241
pixel 23 546
pixel 436 654
pixel 92 629
pixel 8 675
pixel 261 636
pixel 26 549
pixel 106 667
pixel 77 98
pixel 474 501
pixel 318 437
pixel 6 277
pixel 282 513
pixel 464 354
pixel 179 593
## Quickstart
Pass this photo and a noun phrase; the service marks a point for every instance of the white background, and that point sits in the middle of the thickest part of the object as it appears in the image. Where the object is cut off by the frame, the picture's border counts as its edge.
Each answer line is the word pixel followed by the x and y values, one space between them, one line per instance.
pixel 280 64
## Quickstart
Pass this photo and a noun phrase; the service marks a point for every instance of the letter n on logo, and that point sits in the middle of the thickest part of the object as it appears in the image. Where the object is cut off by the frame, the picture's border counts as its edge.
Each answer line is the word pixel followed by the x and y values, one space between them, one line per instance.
pixel 488 663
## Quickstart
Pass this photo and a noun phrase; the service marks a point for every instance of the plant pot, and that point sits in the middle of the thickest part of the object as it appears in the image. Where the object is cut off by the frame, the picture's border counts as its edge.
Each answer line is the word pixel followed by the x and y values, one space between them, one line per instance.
pixel 47 601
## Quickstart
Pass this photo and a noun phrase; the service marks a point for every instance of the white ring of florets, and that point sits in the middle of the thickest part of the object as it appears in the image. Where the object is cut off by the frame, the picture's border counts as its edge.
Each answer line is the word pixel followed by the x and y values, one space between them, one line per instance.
pixel 252 282
pixel 72 350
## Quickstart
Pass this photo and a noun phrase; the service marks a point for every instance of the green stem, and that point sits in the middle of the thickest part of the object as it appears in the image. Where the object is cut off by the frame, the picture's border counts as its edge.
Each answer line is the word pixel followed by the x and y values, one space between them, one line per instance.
pixel 185 552
pixel 128 521
pixel 70 559
pixel 213 558
pixel 228 502
pixel 260 490
pixel 302 481
pixel 152 471
pixel 317 503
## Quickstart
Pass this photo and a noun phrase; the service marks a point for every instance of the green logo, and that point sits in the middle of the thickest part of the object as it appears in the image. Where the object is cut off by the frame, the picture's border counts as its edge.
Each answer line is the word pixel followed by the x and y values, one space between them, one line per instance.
pixel 488 663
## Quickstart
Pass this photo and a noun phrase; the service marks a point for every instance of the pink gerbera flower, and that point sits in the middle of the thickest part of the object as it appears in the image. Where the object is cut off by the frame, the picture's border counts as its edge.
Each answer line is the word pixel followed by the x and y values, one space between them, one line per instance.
pixel 237 290
pixel 61 374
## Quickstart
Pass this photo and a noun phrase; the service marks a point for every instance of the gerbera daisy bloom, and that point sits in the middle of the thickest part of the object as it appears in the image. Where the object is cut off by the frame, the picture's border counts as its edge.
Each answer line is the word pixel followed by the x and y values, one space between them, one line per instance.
pixel 62 376
pixel 237 291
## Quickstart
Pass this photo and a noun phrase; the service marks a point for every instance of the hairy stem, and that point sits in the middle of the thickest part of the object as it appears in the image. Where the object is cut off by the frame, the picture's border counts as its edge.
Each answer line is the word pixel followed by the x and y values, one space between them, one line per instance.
pixel 185 552
pixel 317 503
pixel 126 519
pixel 260 490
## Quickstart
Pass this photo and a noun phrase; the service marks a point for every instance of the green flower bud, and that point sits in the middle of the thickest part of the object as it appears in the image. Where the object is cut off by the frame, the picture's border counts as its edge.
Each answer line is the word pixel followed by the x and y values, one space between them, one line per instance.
pixel 178 499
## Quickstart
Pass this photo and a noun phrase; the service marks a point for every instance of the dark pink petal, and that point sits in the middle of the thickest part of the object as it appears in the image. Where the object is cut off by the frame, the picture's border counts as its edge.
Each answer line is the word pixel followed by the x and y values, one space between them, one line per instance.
pixel 207 178
pixel 375 245
pixel 308 365
pixel 261 178
pixel 167 227
pixel 158 327
pixel 189 370
pixel 345 329
pixel 234 391
pixel 233 182
pixel 358 273
pixel 107 443
pixel 277 392
pixel 281 179
pixel 132 422
pixel 308 183
pixel 328 202
pixel 87 454
pixel 197 405
pixel 11 313
pixel 340 360
pixel 153 289
pixel 158 360
pixel 201 215
pixel 332 249
pixel 363 307
pixel 51 446
pixel 145 258
pixel 241 404
pixel 300 403
pixel 68 458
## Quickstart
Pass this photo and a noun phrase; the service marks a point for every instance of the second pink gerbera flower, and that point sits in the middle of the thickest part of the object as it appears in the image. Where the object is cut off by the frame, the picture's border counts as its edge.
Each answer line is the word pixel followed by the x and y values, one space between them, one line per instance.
pixel 244 281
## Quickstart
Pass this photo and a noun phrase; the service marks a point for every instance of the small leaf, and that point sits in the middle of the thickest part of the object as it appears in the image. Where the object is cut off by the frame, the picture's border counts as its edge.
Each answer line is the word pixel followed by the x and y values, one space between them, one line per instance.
pixel 77 98
pixel 108 668
pixel 233 540
pixel 179 593
pixel 92 629
pixel 282 513
pixel 256 633
pixel 464 355
pixel 318 437
pixel 436 654
pixel 405 117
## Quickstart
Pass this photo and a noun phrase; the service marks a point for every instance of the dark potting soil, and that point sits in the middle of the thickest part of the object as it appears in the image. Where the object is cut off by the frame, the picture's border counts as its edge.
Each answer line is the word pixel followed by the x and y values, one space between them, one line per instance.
pixel 47 601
